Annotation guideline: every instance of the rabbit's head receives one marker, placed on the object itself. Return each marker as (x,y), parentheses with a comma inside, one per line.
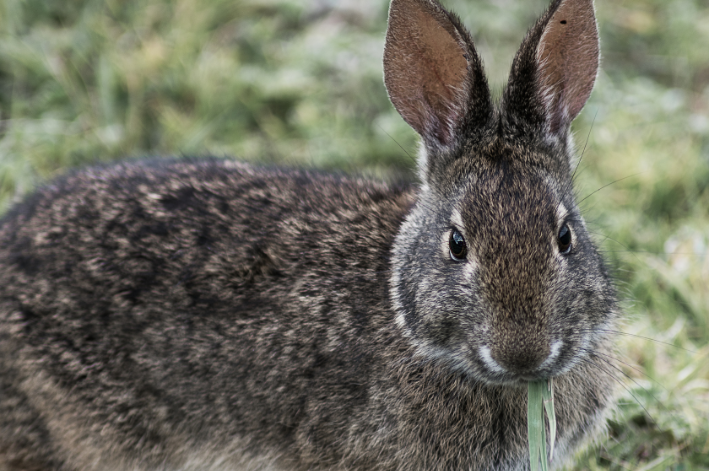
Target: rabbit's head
(494,270)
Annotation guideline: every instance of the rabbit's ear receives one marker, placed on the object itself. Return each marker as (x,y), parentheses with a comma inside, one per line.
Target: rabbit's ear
(555,69)
(431,71)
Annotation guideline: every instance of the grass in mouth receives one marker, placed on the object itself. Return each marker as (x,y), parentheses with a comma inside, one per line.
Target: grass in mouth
(540,398)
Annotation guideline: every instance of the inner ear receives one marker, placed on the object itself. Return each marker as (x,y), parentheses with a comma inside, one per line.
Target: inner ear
(568,57)
(427,58)
(555,68)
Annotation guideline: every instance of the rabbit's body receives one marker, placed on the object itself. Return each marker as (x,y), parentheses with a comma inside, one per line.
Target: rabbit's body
(207,314)
(146,304)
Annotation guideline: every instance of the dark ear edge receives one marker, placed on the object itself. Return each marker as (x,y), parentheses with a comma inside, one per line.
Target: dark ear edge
(555,69)
(431,70)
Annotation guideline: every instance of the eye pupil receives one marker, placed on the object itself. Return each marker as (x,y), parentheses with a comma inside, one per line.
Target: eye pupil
(457,245)
(564,239)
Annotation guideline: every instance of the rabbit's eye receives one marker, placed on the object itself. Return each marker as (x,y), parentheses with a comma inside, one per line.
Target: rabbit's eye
(564,239)
(457,245)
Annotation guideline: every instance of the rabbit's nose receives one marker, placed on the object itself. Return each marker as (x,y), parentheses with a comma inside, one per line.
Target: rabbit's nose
(521,358)
(520,351)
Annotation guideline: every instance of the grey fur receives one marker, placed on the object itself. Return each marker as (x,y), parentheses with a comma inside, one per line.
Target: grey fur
(211,315)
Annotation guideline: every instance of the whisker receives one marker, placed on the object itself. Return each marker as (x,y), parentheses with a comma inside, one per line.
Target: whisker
(639,370)
(647,391)
(569,186)
(607,185)
(620,332)
(585,144)
(621,383)
(607,237)
(647,252)
(397,143)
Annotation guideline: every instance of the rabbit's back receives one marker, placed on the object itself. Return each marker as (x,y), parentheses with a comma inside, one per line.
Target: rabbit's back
(146,299)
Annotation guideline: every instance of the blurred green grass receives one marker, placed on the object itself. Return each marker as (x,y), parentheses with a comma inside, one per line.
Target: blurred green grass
(300,83)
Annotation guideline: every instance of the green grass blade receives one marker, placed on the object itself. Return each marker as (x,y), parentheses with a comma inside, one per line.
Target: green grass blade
(548,397)
(535,422)
(540,397)
(543,448)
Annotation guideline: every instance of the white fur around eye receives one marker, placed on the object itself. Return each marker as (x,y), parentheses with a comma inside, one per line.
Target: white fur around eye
(457,220)
(561,212)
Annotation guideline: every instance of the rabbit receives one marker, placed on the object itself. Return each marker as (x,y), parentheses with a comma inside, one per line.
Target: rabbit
(206,314)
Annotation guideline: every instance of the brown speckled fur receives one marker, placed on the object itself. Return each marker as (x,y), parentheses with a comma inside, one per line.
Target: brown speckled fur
(210,315)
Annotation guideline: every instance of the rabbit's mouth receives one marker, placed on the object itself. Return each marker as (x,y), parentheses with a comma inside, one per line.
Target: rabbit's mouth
(516,367)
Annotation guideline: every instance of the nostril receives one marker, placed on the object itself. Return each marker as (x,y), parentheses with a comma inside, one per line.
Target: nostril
(522,356)
(520,362)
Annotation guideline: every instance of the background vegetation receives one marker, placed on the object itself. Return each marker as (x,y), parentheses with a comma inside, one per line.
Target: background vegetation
(300,83)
